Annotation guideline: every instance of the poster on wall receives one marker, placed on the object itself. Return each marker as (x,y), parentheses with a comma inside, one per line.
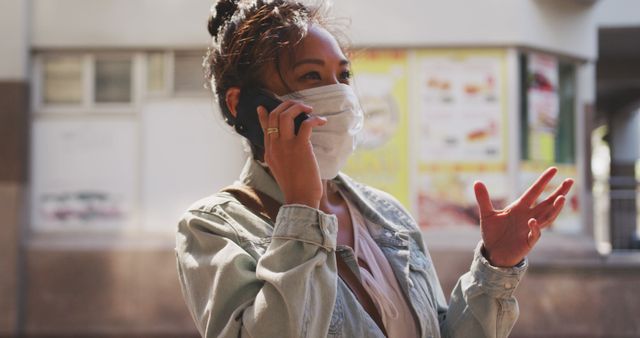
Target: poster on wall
(446,197)
(542,106)
(461,115)
(84,174)
(381,157)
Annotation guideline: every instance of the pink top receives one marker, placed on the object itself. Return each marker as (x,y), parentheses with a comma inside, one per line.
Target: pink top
(380,282)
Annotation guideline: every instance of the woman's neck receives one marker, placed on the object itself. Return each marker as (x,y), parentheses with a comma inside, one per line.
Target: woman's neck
(331,198)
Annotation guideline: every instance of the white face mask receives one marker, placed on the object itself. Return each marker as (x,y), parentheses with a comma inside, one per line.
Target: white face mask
(336,140)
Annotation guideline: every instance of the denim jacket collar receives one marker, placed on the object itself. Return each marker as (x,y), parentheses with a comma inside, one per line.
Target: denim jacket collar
(256,176)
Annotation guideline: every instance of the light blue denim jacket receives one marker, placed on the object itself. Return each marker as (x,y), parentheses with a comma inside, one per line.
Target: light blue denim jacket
(243,276)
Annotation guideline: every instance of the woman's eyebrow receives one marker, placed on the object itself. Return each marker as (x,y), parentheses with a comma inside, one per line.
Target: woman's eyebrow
(317,62)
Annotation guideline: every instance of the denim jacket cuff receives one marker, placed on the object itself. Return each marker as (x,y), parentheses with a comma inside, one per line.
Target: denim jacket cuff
(303,223)
(498,282)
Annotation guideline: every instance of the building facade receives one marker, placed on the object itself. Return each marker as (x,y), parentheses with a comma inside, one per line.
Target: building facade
(108,134)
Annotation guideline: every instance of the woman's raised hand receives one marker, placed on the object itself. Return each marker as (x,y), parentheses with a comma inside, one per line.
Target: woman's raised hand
(509,234)
(289,156)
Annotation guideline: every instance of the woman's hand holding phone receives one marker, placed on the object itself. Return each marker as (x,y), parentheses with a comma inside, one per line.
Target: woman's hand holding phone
(289,155)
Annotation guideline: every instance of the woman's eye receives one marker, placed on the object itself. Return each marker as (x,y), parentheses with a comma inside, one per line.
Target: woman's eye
(346,75)
(311,76)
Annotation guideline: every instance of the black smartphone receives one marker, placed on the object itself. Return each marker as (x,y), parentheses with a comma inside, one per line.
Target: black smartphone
(247,122)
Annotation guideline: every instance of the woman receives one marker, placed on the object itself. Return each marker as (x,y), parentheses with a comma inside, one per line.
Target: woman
(297,249)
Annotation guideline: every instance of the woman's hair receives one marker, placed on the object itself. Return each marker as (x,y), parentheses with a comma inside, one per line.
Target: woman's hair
(247,35)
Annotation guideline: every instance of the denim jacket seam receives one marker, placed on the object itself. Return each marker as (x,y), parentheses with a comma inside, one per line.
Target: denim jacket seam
(241,240)
(388,206)
(322,245)
(323,227)
(337,313)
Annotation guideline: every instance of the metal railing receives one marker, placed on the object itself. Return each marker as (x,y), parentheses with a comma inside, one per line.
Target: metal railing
(624,220)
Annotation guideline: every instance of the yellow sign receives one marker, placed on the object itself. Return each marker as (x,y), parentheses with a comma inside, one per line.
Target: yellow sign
(381,159)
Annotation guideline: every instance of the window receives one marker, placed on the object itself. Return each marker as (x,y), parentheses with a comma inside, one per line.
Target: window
(188,73)
(565,136)
(62,80)
(547,109)
(547,129)
(156,72)
(107,81)
(113,80)
(79,83)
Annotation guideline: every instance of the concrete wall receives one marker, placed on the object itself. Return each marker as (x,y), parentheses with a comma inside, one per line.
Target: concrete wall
(105,291)
(560,26)
(134,292)
(617,13)
(594,298)
(565,27)
(625,139)
(11,198)
(13,154)
(119,23)
(14,39)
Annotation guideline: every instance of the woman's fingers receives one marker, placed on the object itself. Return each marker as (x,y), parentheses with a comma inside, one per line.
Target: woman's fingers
(262,117)
(274,120)
(483,199)
(534,232)
(279,123)
(307,126)
(551,214)
(284,106)
(264,124)
(562,190)
(536,189)
(271,128)
(287,117)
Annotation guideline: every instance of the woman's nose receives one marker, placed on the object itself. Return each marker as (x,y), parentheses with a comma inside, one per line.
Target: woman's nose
(332,80)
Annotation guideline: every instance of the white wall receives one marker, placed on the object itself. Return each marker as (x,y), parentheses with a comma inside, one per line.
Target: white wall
(119,23)
(560,26)
(13,40)
(617,13)
(566,27)
(189,153)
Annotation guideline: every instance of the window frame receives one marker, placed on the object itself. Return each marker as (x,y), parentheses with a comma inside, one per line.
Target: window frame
(88,104)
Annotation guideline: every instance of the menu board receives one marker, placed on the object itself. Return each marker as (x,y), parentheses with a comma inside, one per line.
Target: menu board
(461,117)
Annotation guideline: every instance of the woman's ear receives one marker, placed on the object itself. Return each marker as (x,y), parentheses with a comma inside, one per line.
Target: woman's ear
(231,99)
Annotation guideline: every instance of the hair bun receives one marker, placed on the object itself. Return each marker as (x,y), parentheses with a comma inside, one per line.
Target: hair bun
(221,12)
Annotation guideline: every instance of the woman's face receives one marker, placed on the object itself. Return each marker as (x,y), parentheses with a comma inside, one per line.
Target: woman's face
(316,61)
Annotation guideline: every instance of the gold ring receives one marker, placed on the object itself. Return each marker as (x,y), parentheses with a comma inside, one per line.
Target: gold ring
(272,130)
